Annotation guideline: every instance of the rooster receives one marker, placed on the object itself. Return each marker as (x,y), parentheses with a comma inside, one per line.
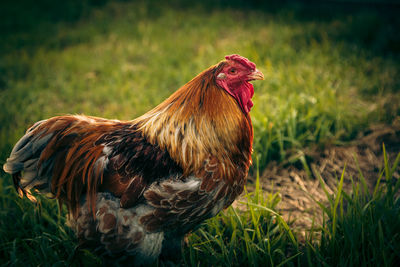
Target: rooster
(138,187)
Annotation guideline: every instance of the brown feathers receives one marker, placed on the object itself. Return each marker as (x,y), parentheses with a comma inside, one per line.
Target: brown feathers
(139,186)
(198,120)
(89,154)
(198,130)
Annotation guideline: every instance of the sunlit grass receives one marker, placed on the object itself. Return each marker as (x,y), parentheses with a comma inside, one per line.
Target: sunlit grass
(360,228)
(322,85)
(124,60)
(252,236)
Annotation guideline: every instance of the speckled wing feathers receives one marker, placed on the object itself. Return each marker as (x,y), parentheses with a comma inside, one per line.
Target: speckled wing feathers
(74,155)
(116,232)
(134,164)
(123,163)
(138,187)
(185,203)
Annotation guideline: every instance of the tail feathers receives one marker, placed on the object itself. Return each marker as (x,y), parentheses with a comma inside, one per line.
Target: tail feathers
(21,191)
(16,177)
(23,163)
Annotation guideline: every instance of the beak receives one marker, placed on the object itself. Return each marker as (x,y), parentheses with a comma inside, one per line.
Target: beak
(256,75)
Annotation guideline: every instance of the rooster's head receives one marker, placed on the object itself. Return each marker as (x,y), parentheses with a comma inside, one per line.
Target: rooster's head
(234,76)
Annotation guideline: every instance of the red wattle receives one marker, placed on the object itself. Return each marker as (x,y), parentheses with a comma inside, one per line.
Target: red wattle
(243,95)
(242,92)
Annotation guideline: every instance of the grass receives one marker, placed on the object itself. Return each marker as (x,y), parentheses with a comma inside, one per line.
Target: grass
(360,229)
(320,85)
(36,235)
(253,236)
(328,76)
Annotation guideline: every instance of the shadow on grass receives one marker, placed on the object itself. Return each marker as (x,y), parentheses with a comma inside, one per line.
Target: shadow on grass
(372,24)
(27,26)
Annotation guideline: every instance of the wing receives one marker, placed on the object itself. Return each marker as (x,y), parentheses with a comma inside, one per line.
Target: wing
(69,156)
(182,203)
(133,165)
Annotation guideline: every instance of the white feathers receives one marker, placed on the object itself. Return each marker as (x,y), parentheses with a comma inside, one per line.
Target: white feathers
(192,183)
(107,150)
(125,225)
(151,246)
(221,76)
(101,163)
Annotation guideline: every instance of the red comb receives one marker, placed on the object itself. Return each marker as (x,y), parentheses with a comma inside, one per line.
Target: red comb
(242,60)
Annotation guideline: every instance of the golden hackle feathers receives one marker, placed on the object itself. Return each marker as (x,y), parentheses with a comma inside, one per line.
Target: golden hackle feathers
(139,186)
(197,120)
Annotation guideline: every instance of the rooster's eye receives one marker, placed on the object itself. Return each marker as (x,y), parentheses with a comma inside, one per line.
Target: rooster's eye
(232,71)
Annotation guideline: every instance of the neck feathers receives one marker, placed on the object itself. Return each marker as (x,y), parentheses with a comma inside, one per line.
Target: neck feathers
(200,119)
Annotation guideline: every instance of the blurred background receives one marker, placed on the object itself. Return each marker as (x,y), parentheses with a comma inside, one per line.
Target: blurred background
(331,67)
(332,73)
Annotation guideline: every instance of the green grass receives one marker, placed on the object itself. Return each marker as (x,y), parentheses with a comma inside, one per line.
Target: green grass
(360,229)
(255,235)
(36,235)
(328,76)
(321,86)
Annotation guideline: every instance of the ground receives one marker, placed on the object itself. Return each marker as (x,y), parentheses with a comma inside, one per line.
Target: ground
(331,92)
(300,188)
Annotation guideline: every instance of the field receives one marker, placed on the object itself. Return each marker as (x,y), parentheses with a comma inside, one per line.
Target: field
(331,73)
